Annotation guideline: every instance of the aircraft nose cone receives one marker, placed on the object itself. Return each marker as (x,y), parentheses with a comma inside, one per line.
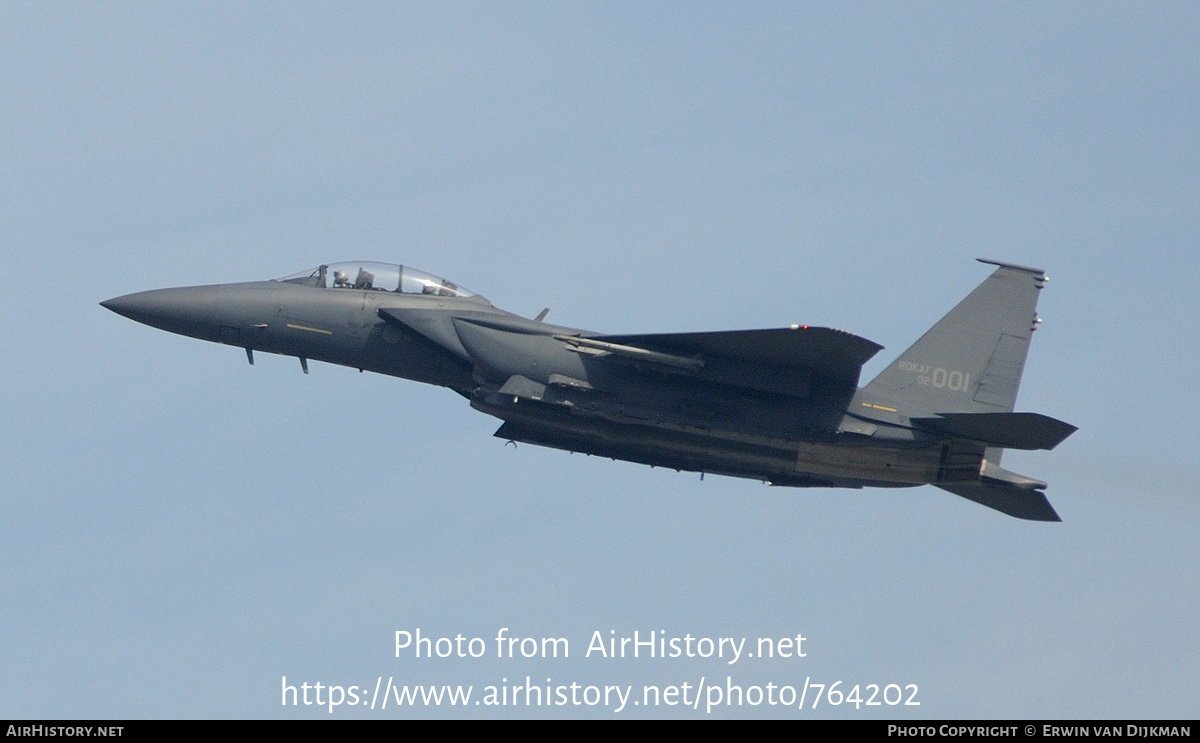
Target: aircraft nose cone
(148,307)
(186,310)
(126,306)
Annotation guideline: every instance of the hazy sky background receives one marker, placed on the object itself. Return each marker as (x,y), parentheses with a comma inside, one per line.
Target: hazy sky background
(181,530)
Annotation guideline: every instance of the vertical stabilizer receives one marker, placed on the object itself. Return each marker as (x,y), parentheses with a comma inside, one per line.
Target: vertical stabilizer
(971,360)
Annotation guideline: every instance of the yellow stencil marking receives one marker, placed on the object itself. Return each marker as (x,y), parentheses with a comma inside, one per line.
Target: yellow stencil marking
(879,407)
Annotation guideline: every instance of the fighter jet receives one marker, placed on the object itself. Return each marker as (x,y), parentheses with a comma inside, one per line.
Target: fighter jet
(781,405)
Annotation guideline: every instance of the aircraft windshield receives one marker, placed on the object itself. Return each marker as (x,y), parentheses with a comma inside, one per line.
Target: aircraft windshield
(375,276)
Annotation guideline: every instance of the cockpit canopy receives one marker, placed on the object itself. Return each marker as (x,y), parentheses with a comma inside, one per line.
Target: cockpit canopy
(376,276)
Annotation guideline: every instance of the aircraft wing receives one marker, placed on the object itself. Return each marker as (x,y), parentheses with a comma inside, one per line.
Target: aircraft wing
(761,359)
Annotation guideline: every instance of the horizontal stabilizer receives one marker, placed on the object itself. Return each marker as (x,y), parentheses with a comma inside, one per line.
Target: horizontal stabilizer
(831,354)
(1006,430)
(1030,505)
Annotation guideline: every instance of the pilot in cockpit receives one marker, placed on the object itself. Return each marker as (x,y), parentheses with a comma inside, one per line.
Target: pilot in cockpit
(340,281)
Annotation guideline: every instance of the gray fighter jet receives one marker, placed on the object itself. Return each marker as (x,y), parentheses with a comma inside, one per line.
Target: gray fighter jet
(780,405)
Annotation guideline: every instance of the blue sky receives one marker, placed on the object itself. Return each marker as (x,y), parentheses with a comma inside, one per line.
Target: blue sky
(184,530)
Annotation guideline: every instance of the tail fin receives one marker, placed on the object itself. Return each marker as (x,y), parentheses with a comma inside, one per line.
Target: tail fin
(971,360)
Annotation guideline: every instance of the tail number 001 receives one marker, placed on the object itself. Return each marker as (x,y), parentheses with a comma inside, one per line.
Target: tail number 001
(955,380)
